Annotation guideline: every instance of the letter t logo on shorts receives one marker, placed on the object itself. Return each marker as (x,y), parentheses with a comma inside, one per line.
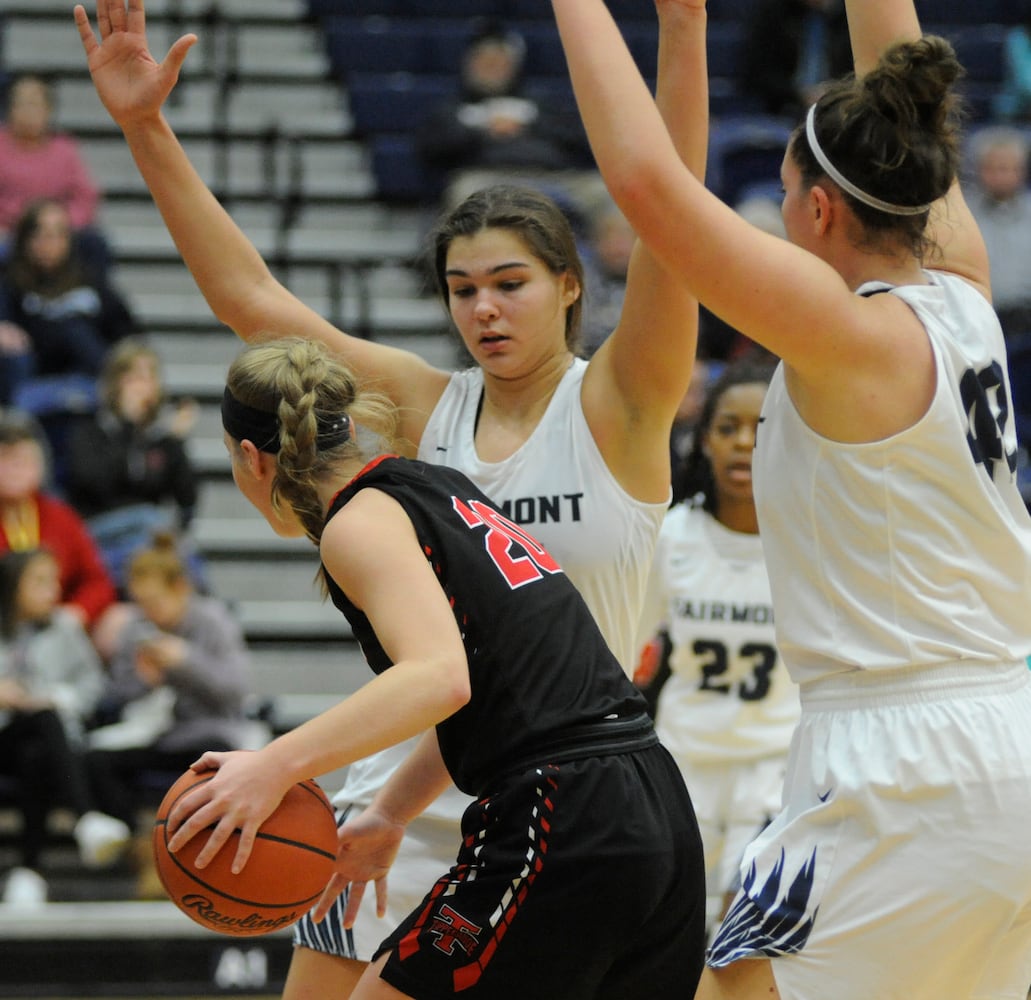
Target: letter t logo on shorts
(450,928)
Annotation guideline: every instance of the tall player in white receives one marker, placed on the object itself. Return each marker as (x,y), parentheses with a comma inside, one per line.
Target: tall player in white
(897,544)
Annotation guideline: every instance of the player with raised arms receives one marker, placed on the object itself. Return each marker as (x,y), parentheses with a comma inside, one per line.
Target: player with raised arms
(529,420)
(896,540)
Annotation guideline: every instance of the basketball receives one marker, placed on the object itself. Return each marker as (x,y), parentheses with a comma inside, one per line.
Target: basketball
(290,864)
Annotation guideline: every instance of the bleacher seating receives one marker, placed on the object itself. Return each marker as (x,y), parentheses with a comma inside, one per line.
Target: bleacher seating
(398,63)
(745,151)
(980,48)
(960,12)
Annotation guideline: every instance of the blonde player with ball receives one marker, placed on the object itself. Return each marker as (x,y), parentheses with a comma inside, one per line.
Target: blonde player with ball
(480,643)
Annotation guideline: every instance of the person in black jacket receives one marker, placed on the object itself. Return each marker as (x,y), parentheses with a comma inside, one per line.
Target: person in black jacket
(58,314)
(128,472)
(493,131)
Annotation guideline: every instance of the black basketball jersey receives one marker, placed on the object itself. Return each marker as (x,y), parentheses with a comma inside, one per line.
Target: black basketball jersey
(540,671)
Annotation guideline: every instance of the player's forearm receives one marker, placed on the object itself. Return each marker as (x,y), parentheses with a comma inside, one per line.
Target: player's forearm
(415,784)
(221,259)
(404,701)
(682,86)
(875,25)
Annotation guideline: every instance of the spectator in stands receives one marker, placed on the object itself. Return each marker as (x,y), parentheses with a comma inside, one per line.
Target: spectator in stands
(1001,203)
(179,681)
(606,259)
(792,49)
(128,473)
(1013,100)
(31,517)
(50,680)
(58,316)
(493,132)
(36,161)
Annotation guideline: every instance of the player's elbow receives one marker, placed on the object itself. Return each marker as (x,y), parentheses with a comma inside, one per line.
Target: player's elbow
(637,191)
(453,688)
(246,305)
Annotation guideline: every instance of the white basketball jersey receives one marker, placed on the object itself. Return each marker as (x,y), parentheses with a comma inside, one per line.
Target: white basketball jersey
(729,697)
(558,486)
(911,550)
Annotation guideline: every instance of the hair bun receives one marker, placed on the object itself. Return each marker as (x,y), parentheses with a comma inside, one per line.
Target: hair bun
(912,84)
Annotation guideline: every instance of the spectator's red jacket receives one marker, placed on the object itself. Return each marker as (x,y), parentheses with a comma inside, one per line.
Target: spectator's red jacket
(84,579)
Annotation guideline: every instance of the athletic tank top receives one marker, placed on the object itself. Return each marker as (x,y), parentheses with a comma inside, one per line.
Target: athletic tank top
(541,673)
(558,487)
(729,696)
(914,550)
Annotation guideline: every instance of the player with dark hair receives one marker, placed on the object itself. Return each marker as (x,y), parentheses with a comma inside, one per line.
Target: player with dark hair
(896,541)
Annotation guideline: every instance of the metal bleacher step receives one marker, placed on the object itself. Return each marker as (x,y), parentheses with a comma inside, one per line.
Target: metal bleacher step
(127,948)
(318,671)
(190,108)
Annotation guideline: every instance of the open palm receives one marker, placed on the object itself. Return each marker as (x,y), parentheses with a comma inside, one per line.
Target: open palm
(132,85)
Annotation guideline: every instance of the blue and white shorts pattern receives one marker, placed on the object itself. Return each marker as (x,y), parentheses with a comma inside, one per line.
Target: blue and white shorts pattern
(899,867)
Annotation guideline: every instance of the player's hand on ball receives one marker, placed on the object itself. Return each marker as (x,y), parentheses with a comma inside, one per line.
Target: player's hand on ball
(291,862)
(241,796)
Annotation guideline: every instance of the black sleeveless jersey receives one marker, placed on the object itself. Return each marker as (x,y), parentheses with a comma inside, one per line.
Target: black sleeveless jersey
(540,671)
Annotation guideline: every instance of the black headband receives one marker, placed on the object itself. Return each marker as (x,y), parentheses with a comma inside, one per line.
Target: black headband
(261,428)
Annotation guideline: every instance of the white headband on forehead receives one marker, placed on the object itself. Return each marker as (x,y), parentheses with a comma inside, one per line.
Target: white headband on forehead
(844,183)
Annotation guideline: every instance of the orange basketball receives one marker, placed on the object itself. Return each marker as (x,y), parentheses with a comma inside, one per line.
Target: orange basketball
(289,867)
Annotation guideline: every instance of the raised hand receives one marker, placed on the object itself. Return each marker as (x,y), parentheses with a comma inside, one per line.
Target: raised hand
(131,84)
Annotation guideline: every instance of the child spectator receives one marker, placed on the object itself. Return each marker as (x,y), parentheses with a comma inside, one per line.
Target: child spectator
(31,517)
(180,677)
(50,680)
(128,473)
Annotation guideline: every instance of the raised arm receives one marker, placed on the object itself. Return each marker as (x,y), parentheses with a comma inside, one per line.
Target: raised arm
(791,301)
(230,273)
(874,26)
(647,361)
(775,292)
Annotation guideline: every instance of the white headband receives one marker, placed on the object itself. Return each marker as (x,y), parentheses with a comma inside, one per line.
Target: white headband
(844,183)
